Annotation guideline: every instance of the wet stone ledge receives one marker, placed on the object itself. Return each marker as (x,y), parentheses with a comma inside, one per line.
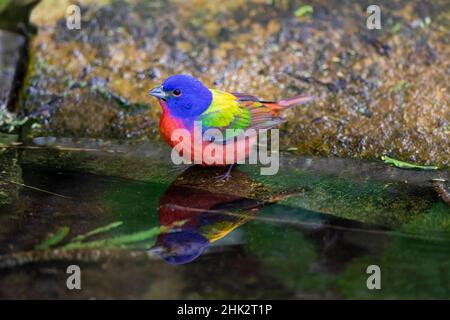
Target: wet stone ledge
(377,92)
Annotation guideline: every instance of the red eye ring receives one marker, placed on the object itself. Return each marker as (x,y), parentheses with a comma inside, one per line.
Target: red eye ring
(176,92)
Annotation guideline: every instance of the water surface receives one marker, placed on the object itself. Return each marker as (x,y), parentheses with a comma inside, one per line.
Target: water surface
(152,230)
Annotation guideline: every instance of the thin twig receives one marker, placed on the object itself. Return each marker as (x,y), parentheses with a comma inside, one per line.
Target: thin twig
(35,188)
(316,224)
(58,148)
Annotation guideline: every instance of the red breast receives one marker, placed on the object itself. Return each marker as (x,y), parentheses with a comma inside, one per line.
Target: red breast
(203,152)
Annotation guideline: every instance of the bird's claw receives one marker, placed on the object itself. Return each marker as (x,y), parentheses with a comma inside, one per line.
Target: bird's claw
(224,177)
(227,175)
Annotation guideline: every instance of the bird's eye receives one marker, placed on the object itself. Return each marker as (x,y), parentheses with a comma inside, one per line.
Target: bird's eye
(176,92)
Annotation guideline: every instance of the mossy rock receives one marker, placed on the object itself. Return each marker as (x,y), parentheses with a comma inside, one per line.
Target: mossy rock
(376,92)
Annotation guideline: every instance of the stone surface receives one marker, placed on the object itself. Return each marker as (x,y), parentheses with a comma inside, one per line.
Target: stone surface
(11,53)
(377,92)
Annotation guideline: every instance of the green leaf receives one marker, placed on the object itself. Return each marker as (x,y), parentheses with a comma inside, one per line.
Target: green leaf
(303,10)
(97,231)
(406,165)
(54,239)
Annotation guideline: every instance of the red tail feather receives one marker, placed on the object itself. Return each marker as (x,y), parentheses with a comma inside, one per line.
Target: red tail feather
(275,107)
(291,102)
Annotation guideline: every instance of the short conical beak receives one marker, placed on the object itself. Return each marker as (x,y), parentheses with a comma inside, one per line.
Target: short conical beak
(158,92)
(157,250)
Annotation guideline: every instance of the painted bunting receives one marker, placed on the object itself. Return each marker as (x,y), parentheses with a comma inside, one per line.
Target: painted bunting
(185,101)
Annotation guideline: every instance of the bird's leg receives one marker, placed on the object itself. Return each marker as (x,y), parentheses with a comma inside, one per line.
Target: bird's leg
(227,175)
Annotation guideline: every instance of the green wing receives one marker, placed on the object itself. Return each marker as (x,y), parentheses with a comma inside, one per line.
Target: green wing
(227,111)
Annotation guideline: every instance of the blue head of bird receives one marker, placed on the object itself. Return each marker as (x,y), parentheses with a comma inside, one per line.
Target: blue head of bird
(180,247)
(184,96)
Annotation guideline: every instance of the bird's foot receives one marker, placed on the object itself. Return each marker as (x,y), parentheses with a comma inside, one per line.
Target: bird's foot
(226,176)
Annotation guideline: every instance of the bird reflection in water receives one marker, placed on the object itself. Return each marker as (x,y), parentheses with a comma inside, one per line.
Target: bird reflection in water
(198,210)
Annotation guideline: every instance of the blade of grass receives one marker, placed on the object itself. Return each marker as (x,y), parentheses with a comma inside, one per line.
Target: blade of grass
(406,165)
(97,231)
(119,241)
(54,239)
(34,188)
(59,148)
